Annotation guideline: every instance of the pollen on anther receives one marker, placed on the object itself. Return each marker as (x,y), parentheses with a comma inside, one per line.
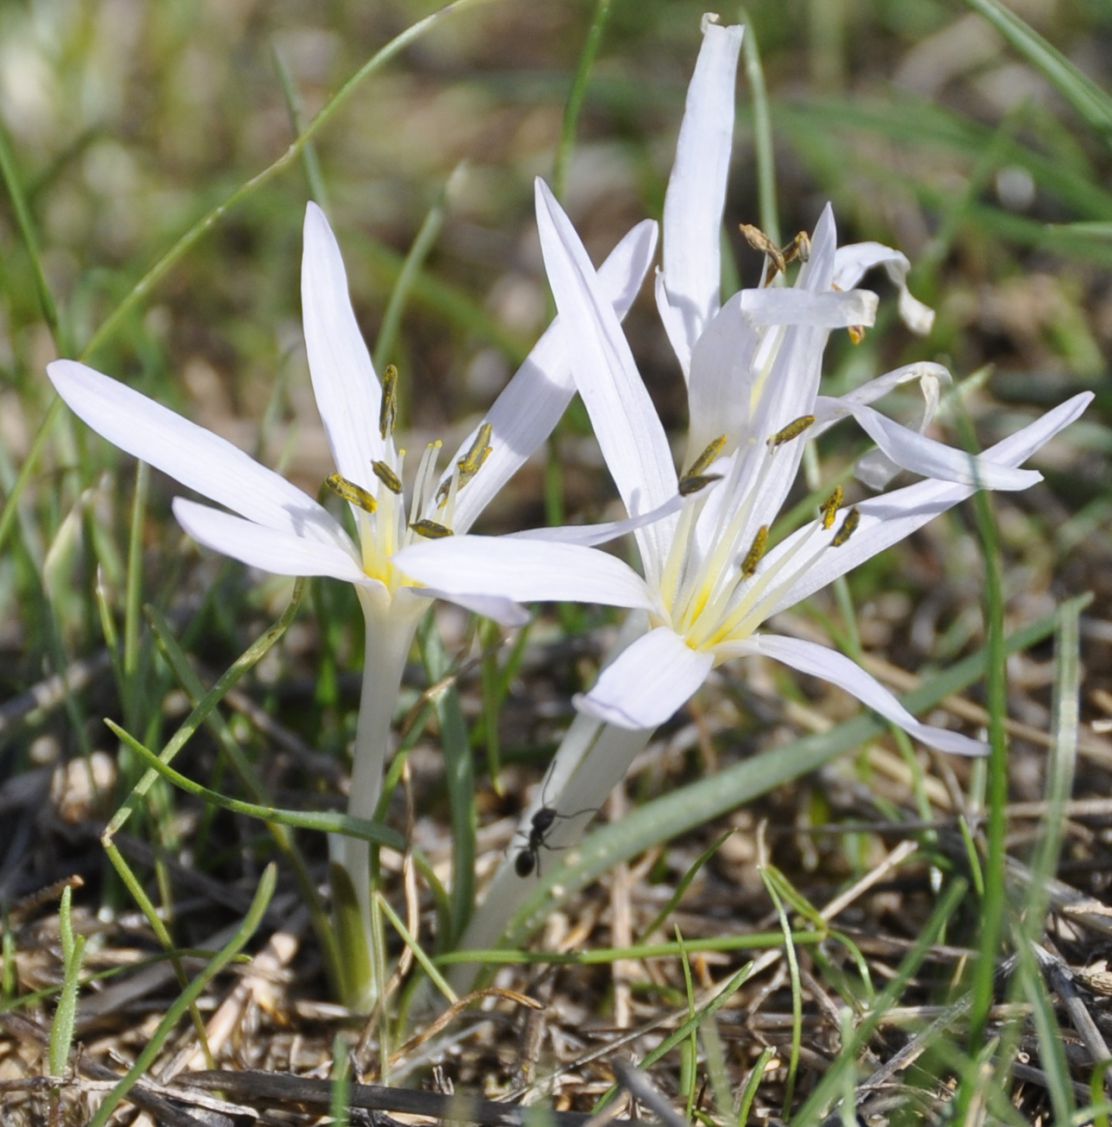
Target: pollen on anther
(756,552)
(713,449)
(388,409)
(831,506)
(430,529)
(689,484)
(352,493)
(793,430)
(387,476)
(849,527)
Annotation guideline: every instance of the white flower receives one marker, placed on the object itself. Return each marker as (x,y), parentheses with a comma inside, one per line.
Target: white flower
(710,580)
(279,528)
(275,526)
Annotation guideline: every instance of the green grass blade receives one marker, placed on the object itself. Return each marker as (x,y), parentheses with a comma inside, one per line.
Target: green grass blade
(459,776)
(1092,104)
(686,809)
(765,154)
(235,672)
(323,822)
(576,96)
(65,1014)
(192,992)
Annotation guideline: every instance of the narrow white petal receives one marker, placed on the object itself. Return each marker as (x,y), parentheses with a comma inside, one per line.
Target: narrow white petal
(817,273)
(632,439)
(889,518)
(523,570)
(590,535)
(801,307)
(853,261)
(674,326)
(721,379)
(696,194)
(829,665)
(344,381)
(531,404)
(922,455)
(278,551)
(648,682)
(190,454)
(503,611)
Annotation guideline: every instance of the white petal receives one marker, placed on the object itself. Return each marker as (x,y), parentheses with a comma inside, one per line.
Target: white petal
(503,611)
(828,664)
(817,273)
(721,379)
(190,454)
(801,307)
(648,682)
(887,519)
(696,192)
(625,422)
(922,455)
(531,404)
(590,535)
(344,381)
(278,551)
(523,570)
(853,261)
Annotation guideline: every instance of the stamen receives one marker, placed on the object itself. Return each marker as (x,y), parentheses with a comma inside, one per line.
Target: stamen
(849,526)
(793,430)
(387,476)
(759,241)
(690,484)
(470,464)
(831,506)
(388,410)
(800,248)
(755,553)
(711,452)
(430,529)
(352,493)
(856,333)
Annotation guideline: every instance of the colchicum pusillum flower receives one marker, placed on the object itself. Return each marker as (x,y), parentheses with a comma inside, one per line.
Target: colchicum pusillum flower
(714,574)
(275,526)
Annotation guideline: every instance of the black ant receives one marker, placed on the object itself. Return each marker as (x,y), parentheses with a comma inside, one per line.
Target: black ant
(529,858)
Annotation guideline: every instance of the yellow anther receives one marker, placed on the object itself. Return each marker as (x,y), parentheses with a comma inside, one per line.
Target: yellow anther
(387,476)
(709,455)
(352,493)
(755,553)
(430,530)
(388,409)
(690,484)
(793,430)
(472,461)
(856,333)
(799,249)
(849,527)
(831,506)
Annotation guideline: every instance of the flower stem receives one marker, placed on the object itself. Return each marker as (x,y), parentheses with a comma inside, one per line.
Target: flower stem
(389,635)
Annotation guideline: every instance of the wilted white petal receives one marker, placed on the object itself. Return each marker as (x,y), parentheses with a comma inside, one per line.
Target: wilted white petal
(523,570)
(344,381)
(531,404)
(190,454)
(829,665)
(922,455)
(648,682)
(801,307)
(696,194)
(853,261)
(889,518)
(622,414)
(278,551)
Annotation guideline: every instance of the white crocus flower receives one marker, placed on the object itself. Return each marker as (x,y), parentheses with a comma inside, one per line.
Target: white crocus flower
(709,579)
(275,526)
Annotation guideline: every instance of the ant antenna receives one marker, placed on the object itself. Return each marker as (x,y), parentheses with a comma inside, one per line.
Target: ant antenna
(544,817)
